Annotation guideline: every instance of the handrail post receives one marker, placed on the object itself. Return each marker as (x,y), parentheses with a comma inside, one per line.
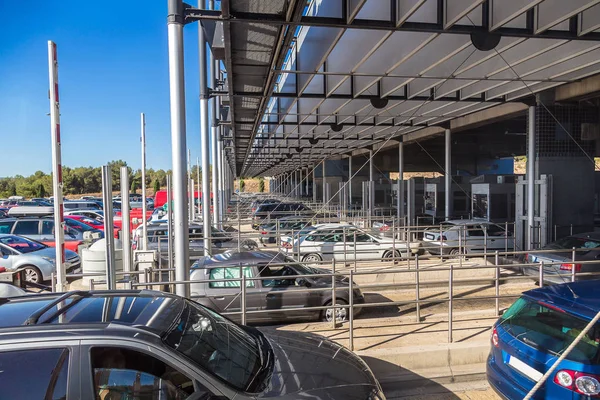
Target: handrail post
(333,298)
(450,290)
(239,242)
(394,242)
(417,289)
(354,251)
(497,282)
(345,249)
(573,269)
(541,274)
(351,311)
(53,282)
(243,296)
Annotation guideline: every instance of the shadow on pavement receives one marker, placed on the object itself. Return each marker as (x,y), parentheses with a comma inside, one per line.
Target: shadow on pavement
(400,383)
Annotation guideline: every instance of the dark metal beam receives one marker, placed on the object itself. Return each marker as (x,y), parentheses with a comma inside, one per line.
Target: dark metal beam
(385,25)
(477,99)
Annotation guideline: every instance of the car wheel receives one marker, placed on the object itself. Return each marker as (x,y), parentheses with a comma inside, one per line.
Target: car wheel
(341,314)
(454,252)
(33,274)
(312,258)
(391,254)
(249,245)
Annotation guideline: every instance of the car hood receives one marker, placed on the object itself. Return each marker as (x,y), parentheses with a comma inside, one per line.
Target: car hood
(50,252)
(307,365)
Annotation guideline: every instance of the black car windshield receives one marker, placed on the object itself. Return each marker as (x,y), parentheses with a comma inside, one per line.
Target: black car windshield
(216,344)
(576,242)
(21,244)
(552,330)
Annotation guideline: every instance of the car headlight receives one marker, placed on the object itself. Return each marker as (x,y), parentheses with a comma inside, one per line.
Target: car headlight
(50,260)
(376,394)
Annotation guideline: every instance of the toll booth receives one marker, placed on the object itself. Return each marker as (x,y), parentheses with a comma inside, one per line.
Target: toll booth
(493,197)
(435,197)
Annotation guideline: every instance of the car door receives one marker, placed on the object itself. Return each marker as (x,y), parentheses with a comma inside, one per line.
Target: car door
(497,238)
(225,293)
(28,227)
(475,238)
(281,291)
(367,247)
(126,369)
(7,257)
(40,370)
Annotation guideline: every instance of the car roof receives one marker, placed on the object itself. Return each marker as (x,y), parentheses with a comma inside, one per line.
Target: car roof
(148,310)
(239,257)
(579,298)
(332,226)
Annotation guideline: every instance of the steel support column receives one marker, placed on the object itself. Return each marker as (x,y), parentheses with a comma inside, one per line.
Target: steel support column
(307,173)
(531,156)
(400,189)
(448,174)
(371,193)
(314,180)
(214,70)
(350,182)
(325,199)
(178,143)
(143,169)
(300,182)
(204,136)
(125,220)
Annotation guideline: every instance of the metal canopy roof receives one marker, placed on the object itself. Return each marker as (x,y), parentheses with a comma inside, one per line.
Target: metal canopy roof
(313,81)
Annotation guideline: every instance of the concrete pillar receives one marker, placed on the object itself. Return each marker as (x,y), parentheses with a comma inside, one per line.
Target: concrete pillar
(306,183)
(531,178)
(448,174)
(296,183)
(400,192)
(300,182)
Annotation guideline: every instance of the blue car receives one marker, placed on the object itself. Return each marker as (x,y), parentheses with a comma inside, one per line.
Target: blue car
(534,332)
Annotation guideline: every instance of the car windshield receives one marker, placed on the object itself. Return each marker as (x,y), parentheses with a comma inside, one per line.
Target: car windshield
(550,329)
(80,226)
(218,346)
(21,244)
(576,242)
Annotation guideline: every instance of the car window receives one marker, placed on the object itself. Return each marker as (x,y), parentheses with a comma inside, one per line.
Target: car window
(217,274)
(287,274)
(27,228)
(495,230)
(362,237)
(475,230)
(21,244)
(47,227)
(121,373)
(46,368)
(6,226)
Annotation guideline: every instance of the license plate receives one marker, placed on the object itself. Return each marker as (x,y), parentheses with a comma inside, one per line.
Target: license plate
(525,369)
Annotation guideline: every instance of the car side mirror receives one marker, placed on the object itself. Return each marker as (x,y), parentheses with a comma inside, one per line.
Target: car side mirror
(302,282)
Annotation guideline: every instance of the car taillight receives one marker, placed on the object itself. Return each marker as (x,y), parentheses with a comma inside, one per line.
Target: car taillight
(286,245)
(495,340)
(263,232)
(578,382)
(384,228)
(569,267)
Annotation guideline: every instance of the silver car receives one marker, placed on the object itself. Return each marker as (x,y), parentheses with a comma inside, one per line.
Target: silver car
(38,260)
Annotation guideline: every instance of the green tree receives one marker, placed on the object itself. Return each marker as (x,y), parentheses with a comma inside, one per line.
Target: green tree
(133,186)
(242,184)
(41,192)
(261,185)
(156,185)
(12,189)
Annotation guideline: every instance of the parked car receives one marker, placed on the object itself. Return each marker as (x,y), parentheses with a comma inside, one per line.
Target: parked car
(94,214)
(271,211)
(533,333)
(34,203)
(153,345)
(81,205)
(278,290)
(342,242)
(37,259)
(558,266)
(221,241)
(468,236)
(285,225)
(92,223)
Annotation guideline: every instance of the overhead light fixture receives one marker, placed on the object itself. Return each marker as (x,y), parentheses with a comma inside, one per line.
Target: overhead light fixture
(379,102)
(313,141)
(485,41)
(336,127)
(299,149)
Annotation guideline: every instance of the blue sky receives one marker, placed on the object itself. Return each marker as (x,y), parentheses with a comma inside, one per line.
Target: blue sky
(113,65)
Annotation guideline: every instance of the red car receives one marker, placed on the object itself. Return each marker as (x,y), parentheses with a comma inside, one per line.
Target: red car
(94,223)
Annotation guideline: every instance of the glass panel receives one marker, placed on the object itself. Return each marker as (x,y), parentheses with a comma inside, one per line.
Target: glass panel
(229,273)
(27,228)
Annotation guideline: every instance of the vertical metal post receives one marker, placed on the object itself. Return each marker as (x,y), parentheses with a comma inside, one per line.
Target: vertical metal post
(125,220)
(178,143)
(350,182)
(333,297)
(531,156)
(325,199)
(57,183)
(497,283)
(400,191)
(448,174)
(143,169)
(541,266)
(214,136)
(417,289)
(170,223)
(314,184)
(111,280)
(300,182)
(371,200)
(199,184)
(351,313)
(450,296)
(573,269)
(204,136)
(243,296)
(306,183)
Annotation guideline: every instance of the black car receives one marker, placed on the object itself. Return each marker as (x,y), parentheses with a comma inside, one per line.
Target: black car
(152,345)
(271,211)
